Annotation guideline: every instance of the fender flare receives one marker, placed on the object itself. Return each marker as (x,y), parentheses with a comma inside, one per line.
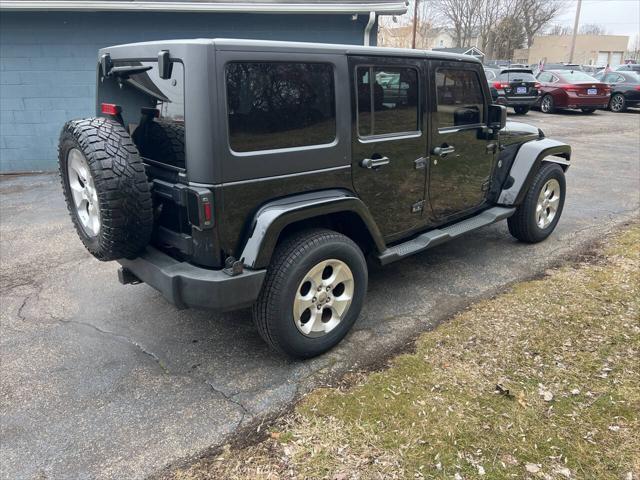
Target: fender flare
(273,217)
(526,164)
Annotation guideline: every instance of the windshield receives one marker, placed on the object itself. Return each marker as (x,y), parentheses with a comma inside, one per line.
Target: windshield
(517,76)
(574,76)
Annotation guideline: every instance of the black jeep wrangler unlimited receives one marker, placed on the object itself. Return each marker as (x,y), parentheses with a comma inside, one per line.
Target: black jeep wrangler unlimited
(231,173)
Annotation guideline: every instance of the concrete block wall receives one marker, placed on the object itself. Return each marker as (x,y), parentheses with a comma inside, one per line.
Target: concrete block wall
(48,59)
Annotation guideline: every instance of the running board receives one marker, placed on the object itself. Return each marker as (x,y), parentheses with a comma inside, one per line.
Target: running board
(440,235)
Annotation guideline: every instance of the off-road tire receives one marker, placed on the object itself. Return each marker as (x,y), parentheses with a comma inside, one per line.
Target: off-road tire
(124,196)
(163,141)
(522,224)
(551,104)
(617,103)
(292,259)
(521,110)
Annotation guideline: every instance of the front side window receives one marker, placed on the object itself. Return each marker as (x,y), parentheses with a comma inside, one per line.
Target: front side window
(459,96)
(274,105)
(387,100)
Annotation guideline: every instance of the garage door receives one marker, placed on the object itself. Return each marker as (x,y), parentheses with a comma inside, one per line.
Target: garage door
(616,58)
(603,58)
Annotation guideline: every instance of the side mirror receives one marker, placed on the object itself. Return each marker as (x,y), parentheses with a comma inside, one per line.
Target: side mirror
(497,117)
(165,65)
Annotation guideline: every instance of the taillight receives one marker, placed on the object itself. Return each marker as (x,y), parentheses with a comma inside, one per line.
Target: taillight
(200,207)
(537,85)
(500,85)
(637,87)
(110,109)
(569,88)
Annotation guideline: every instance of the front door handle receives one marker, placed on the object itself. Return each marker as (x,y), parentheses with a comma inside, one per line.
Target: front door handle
(374,162)
(442,151)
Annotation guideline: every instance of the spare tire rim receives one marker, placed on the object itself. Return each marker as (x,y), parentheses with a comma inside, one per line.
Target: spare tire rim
(83,191)
(548,202)
(323,298)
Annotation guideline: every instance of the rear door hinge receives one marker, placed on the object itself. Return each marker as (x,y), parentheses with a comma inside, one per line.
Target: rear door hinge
(420,163)
(417,207)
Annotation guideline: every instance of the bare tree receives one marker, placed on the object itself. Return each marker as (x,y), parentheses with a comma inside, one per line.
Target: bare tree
(509,35)
(489,15)
(463,16)
(592,29)
(560,30)
(536,14)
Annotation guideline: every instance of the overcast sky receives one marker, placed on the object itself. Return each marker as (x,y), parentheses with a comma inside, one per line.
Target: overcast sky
(618,17)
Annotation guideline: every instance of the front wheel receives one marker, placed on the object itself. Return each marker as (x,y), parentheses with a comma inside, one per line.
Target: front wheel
(521,110)
(617,103)
(538,214)
(547,104)
(313,293)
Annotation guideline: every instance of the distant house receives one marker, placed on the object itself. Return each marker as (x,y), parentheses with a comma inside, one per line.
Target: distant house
(597,50)
(49,51)
(473,51)
(427,37)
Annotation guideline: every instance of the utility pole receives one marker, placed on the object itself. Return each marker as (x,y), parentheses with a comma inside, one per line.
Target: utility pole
(575,32)
(415,23)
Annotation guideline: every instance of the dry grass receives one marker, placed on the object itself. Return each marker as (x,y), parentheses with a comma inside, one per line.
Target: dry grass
(540,382)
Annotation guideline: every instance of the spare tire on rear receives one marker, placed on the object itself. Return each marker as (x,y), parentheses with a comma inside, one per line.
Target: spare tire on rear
(105,187)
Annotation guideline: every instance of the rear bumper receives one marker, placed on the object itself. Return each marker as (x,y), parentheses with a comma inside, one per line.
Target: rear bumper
(521,101)
(587,102)
(186,285)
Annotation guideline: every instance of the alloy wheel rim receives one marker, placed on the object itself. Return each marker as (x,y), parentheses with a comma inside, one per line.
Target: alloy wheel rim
(616,103)
(83,191)
(323,298)
(548,203)
(546,104)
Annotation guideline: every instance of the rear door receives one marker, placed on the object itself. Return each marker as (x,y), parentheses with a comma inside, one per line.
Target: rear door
(462,154)
(389,143)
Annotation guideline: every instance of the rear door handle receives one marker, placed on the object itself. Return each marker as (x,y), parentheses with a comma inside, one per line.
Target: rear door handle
(374,162)
(442,151)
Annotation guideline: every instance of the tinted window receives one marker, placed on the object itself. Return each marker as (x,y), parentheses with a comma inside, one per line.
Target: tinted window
(280,105)
(152,109)
(460,100)
(387,100)
(517,77)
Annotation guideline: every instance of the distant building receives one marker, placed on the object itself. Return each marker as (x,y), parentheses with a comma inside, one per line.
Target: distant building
(590,49)
(427,37)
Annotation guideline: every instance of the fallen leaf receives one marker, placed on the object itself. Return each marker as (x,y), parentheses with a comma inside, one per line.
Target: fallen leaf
(481,470)
(564,471)
(575,391)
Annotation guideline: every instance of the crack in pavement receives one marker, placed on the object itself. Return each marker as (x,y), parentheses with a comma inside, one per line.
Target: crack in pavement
(119,337)
(244,412)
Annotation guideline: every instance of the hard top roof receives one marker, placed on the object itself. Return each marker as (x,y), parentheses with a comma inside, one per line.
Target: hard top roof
(231,44)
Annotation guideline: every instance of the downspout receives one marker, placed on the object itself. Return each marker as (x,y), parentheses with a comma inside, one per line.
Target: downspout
(367,29)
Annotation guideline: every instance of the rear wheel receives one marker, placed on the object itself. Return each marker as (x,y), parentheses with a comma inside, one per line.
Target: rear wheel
(542,206)
(547,105)
(617,103)
(105,187)
(313,293)
(588,110)
(521,110)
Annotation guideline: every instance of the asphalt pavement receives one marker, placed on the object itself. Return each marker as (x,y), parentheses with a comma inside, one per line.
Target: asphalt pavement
(100,380)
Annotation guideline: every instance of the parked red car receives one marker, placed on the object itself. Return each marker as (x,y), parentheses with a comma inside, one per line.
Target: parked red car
(571,89)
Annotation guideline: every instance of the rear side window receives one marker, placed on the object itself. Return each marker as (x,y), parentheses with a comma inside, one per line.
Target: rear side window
(517,77)
(152,109)
(387,100)
(490,75)
(460,98)
(273,105)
